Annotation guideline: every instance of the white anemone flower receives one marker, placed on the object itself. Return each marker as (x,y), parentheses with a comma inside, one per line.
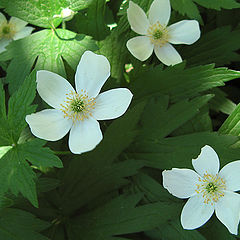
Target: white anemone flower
(13,29)
(208,190)
(155,33)
(78,111)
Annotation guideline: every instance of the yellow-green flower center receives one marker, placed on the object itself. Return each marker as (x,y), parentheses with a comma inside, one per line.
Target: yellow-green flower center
(7,30)
(77,106)
(158,34)
(211,187)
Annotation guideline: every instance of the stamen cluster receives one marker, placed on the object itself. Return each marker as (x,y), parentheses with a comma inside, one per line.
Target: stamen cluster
(211,187)
(158,34)
(7,31)
(78,106)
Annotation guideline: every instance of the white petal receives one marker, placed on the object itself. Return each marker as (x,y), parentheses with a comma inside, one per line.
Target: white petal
(207,161)
(180,182)
(23,33)
(195,212)
(167,54)
(92,72)
(112,104)
(49,124)
(85,136)
(228,211)
(3,43)
(18,23)
(160,10)
(53,88)
(140,47)
(186,32)
(231,174)
(137,19)
(3,20)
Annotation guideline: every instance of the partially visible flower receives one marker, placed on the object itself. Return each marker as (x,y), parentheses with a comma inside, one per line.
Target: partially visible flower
(66,14)
(156,35)
(208,190)
(78,111)
(13,29)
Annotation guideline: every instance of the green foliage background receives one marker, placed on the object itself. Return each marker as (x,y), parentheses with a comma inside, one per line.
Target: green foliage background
(115,191)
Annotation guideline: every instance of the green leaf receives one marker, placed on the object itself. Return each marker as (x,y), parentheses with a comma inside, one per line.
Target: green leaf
(211,46)
(179,151)
(173,81)
(17,224)
(93,23)
(232,123)
(19,105)
(120,216)
(48,50)
(171,117)
(220,102)
(189,7)
(40,13)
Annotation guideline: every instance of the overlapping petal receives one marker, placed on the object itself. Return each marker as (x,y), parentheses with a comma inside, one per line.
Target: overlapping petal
(184,32)
(140,47)
(231,174)
(228,211)
(167,54)
(180,182)
(92,72)
(18,23)
(26,31)
(207,161)
(137,19)
(49,124)
(3,43)
(112,104)
(84,136)
(195,212)
(3,19)
(53,88)
(160,10)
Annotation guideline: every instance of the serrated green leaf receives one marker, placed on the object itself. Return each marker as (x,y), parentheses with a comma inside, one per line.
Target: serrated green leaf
(170,81)
(39,156)
(211,46)
(120,216)
(232,123)
(168,118)
(190,8)
(49,50)
(40,13)
(179,151)
(17,224)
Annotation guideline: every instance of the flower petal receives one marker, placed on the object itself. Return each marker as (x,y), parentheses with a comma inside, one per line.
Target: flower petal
(186,32)
(230,173)
(228,211)
(23,33)
(49,124)
(3,19)
(140,47)
(137,19)
(53,88)
(112,104)
(92,72)
(207,161)
(167,54)
(3,43)
(180,182)
(84,136)
(195,212)
(160,10)
(18,23)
